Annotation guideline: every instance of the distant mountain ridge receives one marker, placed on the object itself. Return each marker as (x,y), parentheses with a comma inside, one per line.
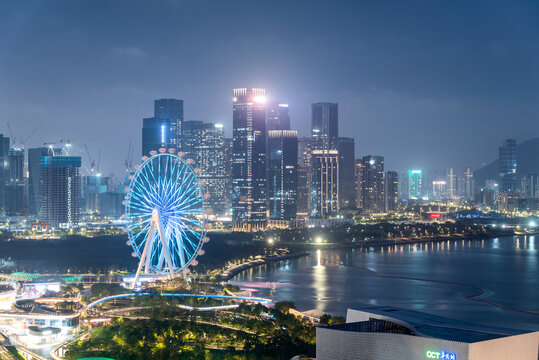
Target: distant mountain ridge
(527,163)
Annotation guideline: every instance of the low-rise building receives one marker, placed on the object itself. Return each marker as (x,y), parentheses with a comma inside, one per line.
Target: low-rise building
(384,332)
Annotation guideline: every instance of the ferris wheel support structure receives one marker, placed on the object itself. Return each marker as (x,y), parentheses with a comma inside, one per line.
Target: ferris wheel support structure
(144,263)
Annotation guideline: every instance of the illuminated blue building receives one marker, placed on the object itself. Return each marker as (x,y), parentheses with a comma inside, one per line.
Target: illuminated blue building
(415,179)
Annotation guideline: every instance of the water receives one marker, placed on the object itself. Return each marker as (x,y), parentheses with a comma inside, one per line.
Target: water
(507,269)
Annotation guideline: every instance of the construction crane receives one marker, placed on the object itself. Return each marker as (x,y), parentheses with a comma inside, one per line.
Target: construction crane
(129,158)
(66,142)
(92,162)
(22,142)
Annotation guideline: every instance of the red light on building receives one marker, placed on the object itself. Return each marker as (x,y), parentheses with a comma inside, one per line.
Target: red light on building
(435,216)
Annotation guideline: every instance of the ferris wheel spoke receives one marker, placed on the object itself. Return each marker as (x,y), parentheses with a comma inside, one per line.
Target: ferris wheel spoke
(144,239)
(184,230)
(183,234)
(184,242)
(145,197)
(182,222)
(187,200)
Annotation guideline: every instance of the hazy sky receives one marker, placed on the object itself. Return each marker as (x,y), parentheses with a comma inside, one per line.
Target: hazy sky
(426,84)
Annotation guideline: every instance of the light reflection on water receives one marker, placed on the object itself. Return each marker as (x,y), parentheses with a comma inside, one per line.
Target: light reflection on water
(506,268)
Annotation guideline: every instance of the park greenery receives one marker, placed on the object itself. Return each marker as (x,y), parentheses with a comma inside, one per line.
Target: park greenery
(165,331)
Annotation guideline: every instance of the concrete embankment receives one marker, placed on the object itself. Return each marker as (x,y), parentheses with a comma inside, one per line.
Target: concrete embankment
(230,273)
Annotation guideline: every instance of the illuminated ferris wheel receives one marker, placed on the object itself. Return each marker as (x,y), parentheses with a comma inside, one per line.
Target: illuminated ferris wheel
(165,216)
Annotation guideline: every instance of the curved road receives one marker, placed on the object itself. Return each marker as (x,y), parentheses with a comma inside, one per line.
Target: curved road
(223,297)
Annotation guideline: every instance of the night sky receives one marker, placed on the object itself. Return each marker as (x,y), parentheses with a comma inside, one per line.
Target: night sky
(426,84)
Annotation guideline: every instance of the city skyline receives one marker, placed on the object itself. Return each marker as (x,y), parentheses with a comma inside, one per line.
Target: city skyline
(475,82)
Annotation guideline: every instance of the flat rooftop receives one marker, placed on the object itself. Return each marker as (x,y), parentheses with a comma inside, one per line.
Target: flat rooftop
(425,325)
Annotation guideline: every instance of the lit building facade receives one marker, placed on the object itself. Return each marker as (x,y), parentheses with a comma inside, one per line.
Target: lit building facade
(530,186)
(347,186)
(16,202)
(278,116)
(249,181)
(372,184)
(391,191)
(325,126)
(468,184)
(93,187)
(164,129)
(507,166)
(415,183)
(61,191)
(204,144)
(324,183)
(4,170)
(172,111)
(438,189)
(34,178)
(452,183)
(304,177)
(282,174)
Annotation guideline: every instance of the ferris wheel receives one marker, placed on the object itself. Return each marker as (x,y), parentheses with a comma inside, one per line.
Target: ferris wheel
(165,216)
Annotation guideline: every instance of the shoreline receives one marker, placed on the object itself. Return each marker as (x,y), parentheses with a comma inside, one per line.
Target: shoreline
(229,274)
(377,244)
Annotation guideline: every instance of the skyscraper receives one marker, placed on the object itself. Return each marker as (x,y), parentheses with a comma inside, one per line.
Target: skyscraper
(325,126)
(16,203)
(282,174)
(372,183)
(155,135)
(61,192)
(533,186)
(357,171)
(507,166)
(278,116)
(204,143)
(229,161)
(324,183)
(34,177)
(304,177)
(172,111)
(415,183)
(468,184)
(191,137)
(164,129)
(391,191)
(93,186)
(249,159)
(347,172)
(4,170)
(452,183)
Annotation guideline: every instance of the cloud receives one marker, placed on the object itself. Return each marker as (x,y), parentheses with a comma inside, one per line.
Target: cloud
(128,52)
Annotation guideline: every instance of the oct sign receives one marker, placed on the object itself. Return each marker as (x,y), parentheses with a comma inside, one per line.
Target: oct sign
(442,355)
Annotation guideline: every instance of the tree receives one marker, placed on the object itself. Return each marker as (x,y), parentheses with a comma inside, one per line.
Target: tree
(285,306)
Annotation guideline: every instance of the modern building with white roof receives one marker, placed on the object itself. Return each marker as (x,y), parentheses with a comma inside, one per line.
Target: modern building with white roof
(384,332)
